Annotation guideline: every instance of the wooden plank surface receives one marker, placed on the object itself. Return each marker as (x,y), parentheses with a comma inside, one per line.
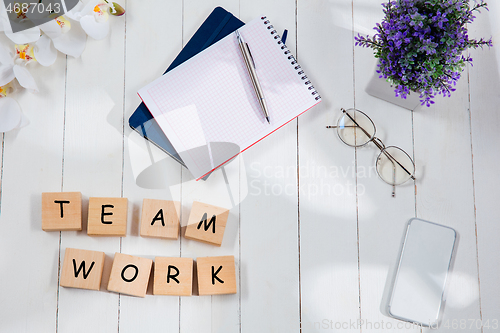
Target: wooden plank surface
(148,171)
(485,121)
(314,232)
(327,183)
(93,159)
(32,159)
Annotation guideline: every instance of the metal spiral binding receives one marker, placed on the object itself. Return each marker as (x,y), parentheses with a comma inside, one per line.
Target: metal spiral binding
(292,58)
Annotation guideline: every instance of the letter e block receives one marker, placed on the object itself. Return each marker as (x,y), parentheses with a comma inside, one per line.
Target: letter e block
(61,211)
(160,218)
(216,275)
(107,217)
(130,275)
(207,223)
(82,269)
(173,276)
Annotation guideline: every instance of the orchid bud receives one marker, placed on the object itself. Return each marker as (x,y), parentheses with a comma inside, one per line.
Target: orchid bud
(116,10)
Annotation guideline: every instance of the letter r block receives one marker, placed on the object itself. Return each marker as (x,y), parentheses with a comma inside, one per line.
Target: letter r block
(61,211)
(216,275)
(82,269)
(207,223)
(173,276)
(130,275)
(107,217)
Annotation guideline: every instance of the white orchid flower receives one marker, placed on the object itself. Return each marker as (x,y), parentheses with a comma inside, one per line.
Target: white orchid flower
(11,116)
(15,66)
(58,34)
(93,17)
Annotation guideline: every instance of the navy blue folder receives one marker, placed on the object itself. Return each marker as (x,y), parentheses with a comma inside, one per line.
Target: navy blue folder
(218,25)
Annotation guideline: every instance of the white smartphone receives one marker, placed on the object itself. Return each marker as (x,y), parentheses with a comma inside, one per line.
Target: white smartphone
(424,264)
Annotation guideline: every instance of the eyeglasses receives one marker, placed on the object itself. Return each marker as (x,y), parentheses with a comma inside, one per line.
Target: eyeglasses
(394,166)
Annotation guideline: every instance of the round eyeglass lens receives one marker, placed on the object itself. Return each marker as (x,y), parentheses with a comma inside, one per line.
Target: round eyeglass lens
(355,128)
(394,165)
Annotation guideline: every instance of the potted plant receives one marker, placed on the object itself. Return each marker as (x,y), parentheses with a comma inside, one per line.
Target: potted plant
(420,45)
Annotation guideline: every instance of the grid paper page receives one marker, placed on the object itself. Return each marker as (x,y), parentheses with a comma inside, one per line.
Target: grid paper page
(207,106)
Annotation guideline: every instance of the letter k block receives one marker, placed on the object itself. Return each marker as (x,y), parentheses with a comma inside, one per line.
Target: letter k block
(216,275)
(82,269)
(207,223)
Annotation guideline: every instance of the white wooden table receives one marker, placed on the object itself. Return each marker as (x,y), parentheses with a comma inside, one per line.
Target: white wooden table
(312,253)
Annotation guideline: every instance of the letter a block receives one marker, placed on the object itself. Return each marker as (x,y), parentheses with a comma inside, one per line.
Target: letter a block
(160,218)
(107,217)
(61,211)
(130,275)
(207,223)
(173,276)
(82,269)
(216,275)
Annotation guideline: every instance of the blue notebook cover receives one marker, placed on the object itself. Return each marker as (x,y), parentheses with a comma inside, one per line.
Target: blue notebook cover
(218,25)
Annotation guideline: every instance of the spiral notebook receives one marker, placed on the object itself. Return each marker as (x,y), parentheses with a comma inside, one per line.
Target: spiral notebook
(207,106)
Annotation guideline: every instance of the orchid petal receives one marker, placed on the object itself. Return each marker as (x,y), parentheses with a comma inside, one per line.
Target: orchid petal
(24,121)
(45,53)
(6,74)
(96,30)
(10,114)
(25,78)
(51,29)
(5,56)
(73,42)
(24,37)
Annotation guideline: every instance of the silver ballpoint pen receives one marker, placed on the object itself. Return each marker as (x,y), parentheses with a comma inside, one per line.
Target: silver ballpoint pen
(250,64)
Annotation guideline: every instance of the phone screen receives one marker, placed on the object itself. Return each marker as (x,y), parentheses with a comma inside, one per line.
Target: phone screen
(424,263)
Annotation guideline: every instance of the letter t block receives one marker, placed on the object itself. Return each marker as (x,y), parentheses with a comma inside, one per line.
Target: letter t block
(61,211)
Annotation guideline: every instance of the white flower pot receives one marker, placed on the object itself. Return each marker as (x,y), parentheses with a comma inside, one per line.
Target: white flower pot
(380,88)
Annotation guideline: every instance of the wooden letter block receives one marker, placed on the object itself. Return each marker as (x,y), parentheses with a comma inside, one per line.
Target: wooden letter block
(61,211)
(173,276)
(82,269)
(130,275)
(216,275)
(160,218)
(107,217)
(207,223)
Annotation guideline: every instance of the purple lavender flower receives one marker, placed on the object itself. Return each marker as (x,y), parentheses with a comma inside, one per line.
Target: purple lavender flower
(420,45)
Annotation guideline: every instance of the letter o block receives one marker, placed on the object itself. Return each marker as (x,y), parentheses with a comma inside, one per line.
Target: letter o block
(130,275)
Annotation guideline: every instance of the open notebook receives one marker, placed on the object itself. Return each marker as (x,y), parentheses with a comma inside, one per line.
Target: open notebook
(207,106)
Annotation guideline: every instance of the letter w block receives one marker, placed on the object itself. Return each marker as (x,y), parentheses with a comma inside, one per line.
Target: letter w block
(82,269)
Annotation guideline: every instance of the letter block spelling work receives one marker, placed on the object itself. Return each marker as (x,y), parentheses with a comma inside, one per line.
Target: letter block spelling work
(160,218)
(216,275)
(130,275)
(82,269)
(173,276)
(207,223)
(107,217)
(61,211)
